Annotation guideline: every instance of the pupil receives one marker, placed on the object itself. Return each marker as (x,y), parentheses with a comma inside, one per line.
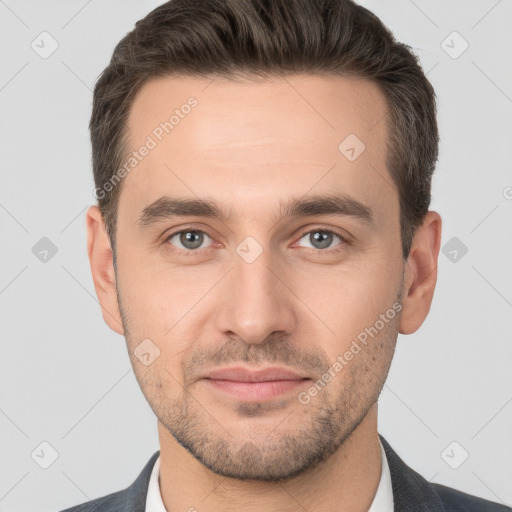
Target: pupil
(188,238)
(323,238)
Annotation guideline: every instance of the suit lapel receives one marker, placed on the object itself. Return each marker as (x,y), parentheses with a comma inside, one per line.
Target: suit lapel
(133,499)
(411,492)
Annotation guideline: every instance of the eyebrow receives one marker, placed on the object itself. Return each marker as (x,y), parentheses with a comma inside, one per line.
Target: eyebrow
(326,204)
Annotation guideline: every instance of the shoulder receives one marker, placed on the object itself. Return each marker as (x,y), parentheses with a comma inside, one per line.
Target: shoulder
(131,499)
(412,492)
(110,503)
(454,501)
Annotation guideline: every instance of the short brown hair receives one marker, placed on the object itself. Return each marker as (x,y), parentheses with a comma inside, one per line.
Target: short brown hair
(247,38)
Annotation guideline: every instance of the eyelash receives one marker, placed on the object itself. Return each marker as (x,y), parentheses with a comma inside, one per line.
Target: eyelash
(197,252)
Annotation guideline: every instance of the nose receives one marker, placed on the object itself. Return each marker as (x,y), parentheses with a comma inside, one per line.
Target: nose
(257,301)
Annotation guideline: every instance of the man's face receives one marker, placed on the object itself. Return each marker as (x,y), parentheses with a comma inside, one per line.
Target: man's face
(260,288)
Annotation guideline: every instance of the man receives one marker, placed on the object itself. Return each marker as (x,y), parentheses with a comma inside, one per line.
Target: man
(262,235)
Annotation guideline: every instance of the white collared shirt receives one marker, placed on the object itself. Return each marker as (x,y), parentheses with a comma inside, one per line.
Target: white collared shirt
(382,502)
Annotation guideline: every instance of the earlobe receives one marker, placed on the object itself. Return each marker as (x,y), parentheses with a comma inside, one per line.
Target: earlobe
(102,268)
(421,274)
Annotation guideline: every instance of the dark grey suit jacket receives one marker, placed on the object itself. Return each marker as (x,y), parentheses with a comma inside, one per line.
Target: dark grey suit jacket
(411,493)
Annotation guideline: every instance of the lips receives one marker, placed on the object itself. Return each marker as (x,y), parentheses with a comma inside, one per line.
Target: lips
(255,385)
(240,374)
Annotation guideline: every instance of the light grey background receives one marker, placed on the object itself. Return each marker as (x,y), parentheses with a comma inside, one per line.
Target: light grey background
(66,378)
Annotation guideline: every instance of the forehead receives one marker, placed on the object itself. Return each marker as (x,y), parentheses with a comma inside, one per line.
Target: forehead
(246,142)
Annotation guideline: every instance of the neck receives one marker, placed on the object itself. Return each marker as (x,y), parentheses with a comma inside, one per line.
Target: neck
(347,481)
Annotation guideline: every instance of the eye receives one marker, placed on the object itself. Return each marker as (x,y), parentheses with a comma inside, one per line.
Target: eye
(190,239)
(322,239)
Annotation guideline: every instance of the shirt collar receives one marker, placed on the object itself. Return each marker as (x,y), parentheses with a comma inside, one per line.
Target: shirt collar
(383,499)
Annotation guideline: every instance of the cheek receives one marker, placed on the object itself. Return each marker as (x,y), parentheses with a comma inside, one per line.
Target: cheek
(149,295)
(349,298)
(164,310)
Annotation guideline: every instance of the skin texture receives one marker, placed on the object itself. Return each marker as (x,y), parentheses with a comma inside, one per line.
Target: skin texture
(298,305)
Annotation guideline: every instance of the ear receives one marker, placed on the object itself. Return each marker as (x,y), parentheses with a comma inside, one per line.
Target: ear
(421,274)
(102,268)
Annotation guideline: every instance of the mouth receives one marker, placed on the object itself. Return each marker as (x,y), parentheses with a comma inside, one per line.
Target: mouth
(255,385)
